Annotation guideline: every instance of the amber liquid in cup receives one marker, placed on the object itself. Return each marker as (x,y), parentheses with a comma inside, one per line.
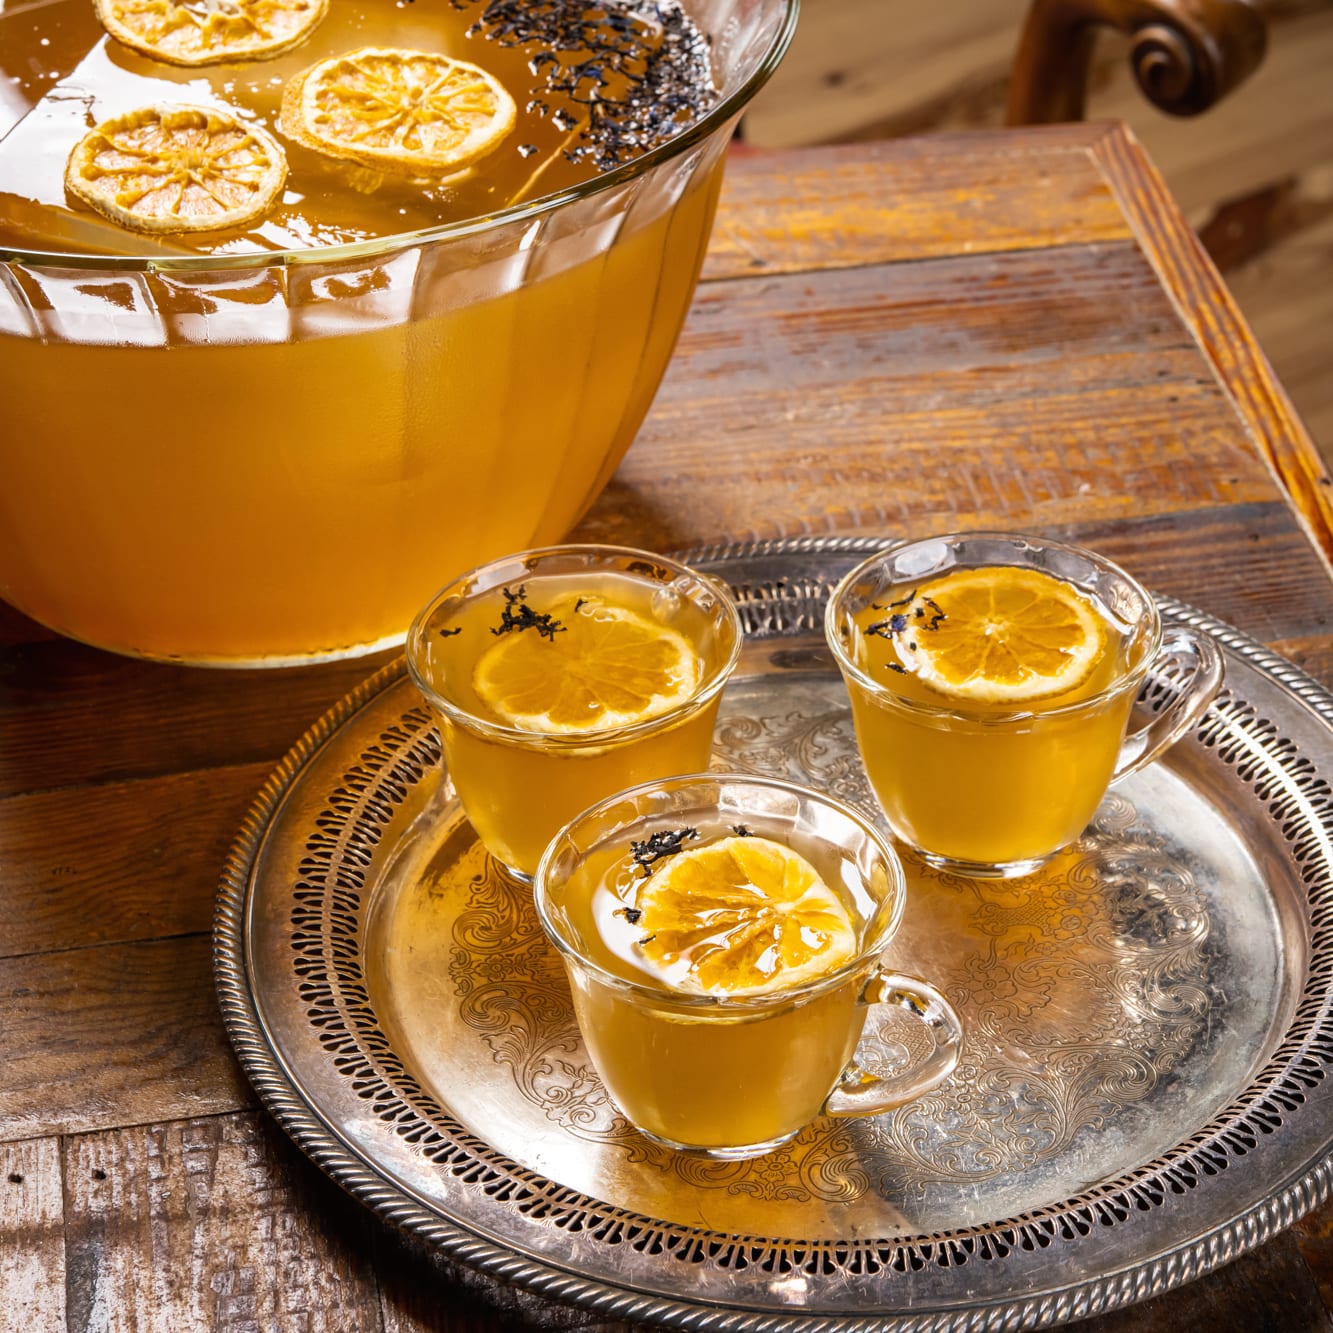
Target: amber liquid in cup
(730,1075)
(993,786)
(748,1079)
(213,455)
(519,784)
(976,791)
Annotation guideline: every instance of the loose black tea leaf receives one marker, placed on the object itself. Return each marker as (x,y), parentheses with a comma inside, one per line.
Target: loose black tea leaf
(665,842)
(518,615)
(630,77)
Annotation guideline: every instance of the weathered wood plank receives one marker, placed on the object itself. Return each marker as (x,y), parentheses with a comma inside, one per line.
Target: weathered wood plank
(100,866)
(120,1034)
(910,200)
(211,1223)
(1250,566)
(77,715)
(985,391)
(32,1237)
(883,68)
(1211,314)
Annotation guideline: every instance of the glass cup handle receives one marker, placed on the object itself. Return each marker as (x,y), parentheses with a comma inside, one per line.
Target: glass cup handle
(1200,653)
(860,1093)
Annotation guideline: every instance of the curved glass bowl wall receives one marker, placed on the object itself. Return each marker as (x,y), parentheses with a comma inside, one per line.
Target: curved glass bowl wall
(274,459)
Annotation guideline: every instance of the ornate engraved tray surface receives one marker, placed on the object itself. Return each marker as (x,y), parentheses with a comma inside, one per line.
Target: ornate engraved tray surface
(1142,1094)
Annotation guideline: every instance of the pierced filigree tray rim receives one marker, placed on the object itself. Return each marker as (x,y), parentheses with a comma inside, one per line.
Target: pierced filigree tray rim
(297,1109)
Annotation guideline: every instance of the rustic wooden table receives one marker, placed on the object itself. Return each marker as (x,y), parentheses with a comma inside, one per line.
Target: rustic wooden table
(1012,330)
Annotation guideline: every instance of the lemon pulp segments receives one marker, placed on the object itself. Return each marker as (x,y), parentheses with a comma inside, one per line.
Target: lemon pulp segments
(607,666)
(742,916)
(412,112)
(1000,634)
(208,32)
(177,168)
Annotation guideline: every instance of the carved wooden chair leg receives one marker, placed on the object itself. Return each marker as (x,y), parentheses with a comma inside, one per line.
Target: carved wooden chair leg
(1186,54)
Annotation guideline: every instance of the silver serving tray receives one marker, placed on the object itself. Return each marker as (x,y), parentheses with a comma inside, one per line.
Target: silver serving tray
(1141,1098)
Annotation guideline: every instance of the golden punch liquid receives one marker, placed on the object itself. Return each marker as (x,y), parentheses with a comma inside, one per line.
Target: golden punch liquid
(595,681)
(267,464)
(746,1075)
(966,775)
(64,74)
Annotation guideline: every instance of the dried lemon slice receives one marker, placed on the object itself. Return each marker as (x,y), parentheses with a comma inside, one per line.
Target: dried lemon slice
(177,168)
(209,32)
(742,916)
(411,112)
(604,666)
(1002,634)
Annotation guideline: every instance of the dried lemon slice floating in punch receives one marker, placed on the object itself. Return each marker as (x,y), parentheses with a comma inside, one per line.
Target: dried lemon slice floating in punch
(209,32)
(601,666)
(1001,634)
(177,168)
(415,113)
(742,916)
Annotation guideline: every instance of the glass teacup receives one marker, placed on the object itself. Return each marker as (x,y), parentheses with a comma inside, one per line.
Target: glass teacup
(535,728)
(733,1073)
(993,786)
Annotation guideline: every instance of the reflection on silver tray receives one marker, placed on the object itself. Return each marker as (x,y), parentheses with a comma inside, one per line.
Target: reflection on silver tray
(1142,1094)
